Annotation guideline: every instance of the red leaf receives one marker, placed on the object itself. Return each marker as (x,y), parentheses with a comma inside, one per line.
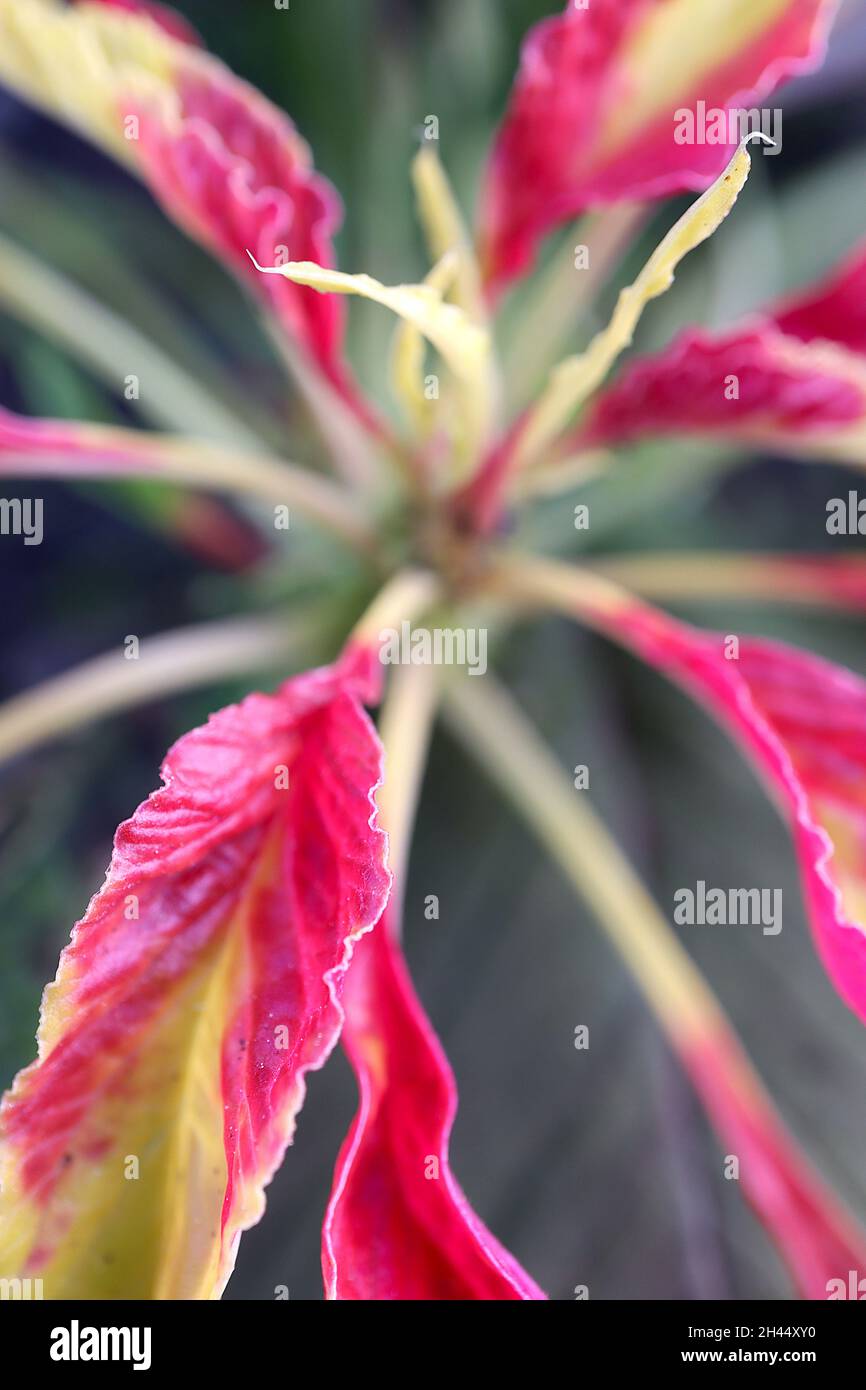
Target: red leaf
(818,1239)
(802,721)
(196,993)
(398,1226)
(223,161)
(233,171)
(752,381)
(592,118)
(834,310)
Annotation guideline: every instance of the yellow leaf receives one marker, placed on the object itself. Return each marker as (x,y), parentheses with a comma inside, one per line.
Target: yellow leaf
(463,345)
(675,49)
(445,230)
(577,377)
(80,64)
(407,355)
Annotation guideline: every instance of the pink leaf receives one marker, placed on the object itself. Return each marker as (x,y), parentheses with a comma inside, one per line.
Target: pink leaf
(592,117)
(752,381)
(818,1239)
(834,310)
(233,171)
(223,161)
(802,721)
(398,1226)
(198,990)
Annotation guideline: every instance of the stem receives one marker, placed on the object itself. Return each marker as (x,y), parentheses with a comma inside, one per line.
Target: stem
(528,581)
(348,440)
(173,661)
(405,729)
(199,464)
(491,727)
(445,230)
(575,379)
(815,1233)
(464,346)
(828,581)
(407,717)
(553,479)
(407,594)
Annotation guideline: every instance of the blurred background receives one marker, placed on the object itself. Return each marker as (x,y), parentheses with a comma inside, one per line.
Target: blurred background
(595,1167)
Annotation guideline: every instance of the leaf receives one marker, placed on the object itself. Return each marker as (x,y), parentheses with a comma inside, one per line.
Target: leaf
(834,310)
(801,722)
(818,1239)
(463,344)
(167,18)
(398,1226)
(575,378)
(793,380)
(595,111)
(407,356)
(444,229)
(752,383)
(227,165)
(198,990)
(73,449)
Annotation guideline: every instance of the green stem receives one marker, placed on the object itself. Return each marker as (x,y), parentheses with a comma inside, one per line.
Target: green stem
(407,594)
(494,731)
(777,1173)
(351,447)
(405,728)
(170,662)
(172,459)
(697,576)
